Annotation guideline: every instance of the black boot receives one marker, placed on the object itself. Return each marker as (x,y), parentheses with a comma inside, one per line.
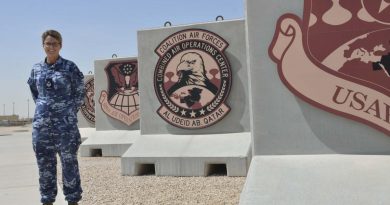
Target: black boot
(73,203)
(48,204)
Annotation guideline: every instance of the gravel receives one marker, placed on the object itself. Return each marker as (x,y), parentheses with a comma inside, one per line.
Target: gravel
(103,184)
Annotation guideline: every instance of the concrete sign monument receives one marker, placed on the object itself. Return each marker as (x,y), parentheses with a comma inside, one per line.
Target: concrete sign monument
(86,114)
(192,78)
(319,102)
(117,107)
(88,107)
(346,69)
(194,94)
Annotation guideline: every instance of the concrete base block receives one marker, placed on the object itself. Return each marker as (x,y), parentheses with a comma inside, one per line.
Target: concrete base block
(318,179)
(86,132)
(189,155)
(111,143)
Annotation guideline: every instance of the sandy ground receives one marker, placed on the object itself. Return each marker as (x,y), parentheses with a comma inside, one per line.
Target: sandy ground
(103,184)
(9,130)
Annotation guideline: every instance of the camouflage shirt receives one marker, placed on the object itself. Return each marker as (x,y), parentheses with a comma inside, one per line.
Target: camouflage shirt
(57,89)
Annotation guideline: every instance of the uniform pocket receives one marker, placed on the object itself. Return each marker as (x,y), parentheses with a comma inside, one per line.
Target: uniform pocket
(61,82)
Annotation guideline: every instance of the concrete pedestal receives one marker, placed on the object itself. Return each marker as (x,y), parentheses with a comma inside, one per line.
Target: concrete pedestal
(188,155)
(318,179)
(169,150)
(298,140)
(87,132)
(111,143)
(112,136)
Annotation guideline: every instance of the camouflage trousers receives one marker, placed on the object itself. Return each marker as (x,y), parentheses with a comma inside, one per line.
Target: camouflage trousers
(48,141)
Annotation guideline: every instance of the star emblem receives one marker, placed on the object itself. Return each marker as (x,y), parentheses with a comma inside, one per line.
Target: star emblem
(183,113)
(202,112)
(192,114)
(127,69)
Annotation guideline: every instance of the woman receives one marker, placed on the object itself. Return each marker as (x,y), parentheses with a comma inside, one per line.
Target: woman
(57,88)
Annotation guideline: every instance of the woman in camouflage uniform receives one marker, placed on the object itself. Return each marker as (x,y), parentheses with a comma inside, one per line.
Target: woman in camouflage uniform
(57,88)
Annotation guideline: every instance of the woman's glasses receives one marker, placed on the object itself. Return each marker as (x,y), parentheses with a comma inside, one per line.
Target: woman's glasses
(51,44)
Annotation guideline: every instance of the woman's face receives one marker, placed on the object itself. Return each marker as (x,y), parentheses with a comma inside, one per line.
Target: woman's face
(52,47)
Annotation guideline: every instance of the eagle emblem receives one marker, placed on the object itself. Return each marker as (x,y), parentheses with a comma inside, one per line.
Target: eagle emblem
(192,78)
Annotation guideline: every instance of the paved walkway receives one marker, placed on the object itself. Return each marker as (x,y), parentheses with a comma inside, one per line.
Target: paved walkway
(18,170)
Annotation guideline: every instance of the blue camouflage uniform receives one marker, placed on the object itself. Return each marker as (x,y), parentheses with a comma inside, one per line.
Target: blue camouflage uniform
(58,92)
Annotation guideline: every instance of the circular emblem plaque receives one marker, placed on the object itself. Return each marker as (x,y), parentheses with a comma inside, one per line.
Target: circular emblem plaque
(192,79)
(88,107)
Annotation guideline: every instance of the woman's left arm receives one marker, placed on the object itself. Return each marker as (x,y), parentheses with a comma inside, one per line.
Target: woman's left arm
(78,92)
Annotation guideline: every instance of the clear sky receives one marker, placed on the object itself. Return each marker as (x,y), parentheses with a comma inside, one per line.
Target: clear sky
(91,30)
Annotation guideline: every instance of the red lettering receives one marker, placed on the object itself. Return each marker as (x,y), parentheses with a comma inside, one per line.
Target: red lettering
(358,100)
(387,113)
(375,107)
(337,94)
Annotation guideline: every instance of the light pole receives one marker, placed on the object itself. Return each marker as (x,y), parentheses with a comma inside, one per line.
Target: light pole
(4,109)
(28,108)
(13,108)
